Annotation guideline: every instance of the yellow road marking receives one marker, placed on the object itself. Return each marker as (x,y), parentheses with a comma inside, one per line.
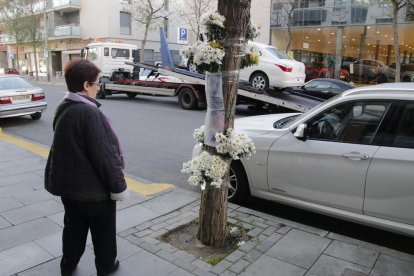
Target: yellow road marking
(133,185)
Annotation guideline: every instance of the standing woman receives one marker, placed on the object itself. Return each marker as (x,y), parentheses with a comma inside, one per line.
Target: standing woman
(84,168)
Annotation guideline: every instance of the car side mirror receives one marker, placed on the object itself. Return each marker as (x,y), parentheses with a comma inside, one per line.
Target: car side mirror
(300,132)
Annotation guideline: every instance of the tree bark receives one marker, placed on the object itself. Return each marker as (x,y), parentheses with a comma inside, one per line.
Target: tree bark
(213,208)
(144,41)
(395,10)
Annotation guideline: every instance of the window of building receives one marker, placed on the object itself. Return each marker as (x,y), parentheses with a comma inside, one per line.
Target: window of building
(166,26)
(340,3)
(106,51)
(125,1)
(166,5)
(125,23)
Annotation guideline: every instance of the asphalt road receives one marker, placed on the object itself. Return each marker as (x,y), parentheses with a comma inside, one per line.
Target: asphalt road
(157,138)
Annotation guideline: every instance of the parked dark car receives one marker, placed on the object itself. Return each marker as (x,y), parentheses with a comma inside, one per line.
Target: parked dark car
(319,70)
(369,70)
(323,88)
(9,71)
(407,72)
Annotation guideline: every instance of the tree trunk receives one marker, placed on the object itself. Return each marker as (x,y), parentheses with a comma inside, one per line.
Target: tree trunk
(396,44)
(35,61)
(144,41)
(213,208)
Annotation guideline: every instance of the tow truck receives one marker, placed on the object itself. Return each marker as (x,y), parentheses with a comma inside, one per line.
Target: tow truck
(190,89)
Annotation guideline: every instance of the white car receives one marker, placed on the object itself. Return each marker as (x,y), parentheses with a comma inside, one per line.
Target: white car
(275,69)
(351,157)
(18,97)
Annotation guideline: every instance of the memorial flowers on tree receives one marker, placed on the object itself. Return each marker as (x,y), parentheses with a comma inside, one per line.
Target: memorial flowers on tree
(208,169)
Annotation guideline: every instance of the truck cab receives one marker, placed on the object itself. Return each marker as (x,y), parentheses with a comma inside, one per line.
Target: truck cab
(110,57)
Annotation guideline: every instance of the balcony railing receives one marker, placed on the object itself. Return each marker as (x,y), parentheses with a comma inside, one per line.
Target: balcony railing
(64,31)
(60,3)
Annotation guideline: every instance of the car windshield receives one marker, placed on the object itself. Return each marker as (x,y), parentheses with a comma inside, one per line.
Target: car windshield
(297,118)
(278,53)
(14,83)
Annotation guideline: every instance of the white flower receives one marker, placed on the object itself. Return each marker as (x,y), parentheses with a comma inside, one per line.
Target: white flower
(208,55)
(212,18)
(241,243)
(198,134)
(233,230)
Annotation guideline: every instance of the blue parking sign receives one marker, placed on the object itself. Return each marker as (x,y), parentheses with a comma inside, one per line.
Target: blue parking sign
(183,34)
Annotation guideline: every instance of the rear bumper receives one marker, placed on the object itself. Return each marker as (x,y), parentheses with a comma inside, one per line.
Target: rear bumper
(14,110)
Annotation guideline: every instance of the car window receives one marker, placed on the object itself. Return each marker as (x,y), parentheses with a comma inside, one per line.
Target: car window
(14,83)
(312,84)
(325,85)
(278,53)
(354,122)
(404,136)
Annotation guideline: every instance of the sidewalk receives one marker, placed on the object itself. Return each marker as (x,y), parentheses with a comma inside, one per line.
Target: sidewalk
(31,228)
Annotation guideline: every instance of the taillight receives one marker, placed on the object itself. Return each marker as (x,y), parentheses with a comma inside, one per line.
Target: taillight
(38,96)
(284,68)
(5,100)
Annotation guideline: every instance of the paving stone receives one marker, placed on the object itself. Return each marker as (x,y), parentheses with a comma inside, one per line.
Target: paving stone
(4,223)
(239,266)
(143,233)
(168,256)
(57,218)
(248,246)
(299,248)
(390,266)
(185,265)
(4,165)
(52,244)
(34,196)
(352,253)
(25,232)
(268,266)
(158,233)
(134,239)
(131,200)
(228,273)
(351,272)
(202,272)
(264,245)
(17,178)
(145,263)
(255,232)
(30,212)
(25,169)
(9,203)
(126,249)
(168,202)
(133,216)
(127,232)
(149,247)
(144,225)
(283,230)
(235,256)
(158,226)
(269,230)
(166,247)
(180,272)
(51,267)
(22,257)
(327,265)
(202,264)
(185,256)
(252,255)
(220,267)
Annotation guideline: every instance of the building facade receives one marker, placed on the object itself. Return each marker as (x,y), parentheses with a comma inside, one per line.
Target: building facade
(341,32)
(72,24)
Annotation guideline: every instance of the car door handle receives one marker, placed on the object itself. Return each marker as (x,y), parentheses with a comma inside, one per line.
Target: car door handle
(355,156)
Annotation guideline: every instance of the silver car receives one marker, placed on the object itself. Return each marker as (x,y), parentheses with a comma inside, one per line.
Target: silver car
(18,97)
(351,157)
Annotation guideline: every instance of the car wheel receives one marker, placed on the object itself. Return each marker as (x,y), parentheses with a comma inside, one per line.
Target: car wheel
(187,99)
(131,95)
(238,187)
(260,80)
(36,116)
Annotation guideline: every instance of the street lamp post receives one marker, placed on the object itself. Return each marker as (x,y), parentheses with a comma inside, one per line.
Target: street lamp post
(46,50)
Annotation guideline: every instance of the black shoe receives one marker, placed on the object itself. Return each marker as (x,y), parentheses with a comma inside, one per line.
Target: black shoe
(112,269)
